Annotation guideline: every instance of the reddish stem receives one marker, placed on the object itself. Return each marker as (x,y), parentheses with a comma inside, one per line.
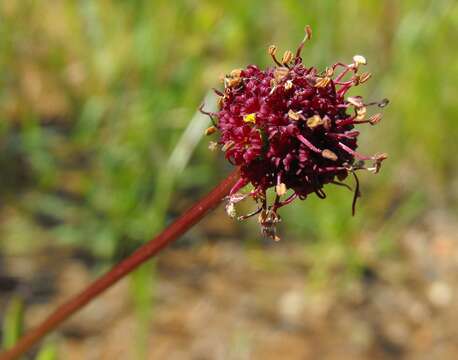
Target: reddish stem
(145,252)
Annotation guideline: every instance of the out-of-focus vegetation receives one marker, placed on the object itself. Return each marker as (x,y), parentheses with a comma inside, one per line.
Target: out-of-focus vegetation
(101,142)
(95,97)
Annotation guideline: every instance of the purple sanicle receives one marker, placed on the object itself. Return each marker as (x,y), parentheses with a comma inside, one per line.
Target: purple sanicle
(292,127)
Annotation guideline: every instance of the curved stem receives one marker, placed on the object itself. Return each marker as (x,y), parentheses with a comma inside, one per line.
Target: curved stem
(144,253)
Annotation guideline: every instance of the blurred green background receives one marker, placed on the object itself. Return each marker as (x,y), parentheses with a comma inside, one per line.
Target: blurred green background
(101,143)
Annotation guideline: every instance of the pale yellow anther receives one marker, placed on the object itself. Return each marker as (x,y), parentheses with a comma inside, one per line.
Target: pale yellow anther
(280,189)
(355,101)
(308,32)
(322,82)
(364,77)
(233,79)
(328,154)
(210,130)
(294,115)
(230,210)
(327,123)
(359,60)
(314,121)
(230,82)
(361,113)
(220,102)
(287,57)
(212,145)
(288,84)
(250,118)
(280,73)
(375,119)
(329,72)
(236,73)
(272,50)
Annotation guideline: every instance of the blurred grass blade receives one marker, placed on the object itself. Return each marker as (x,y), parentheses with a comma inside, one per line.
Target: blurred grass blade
(13,323)
(191,136)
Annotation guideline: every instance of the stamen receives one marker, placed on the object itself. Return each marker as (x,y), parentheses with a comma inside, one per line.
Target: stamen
(353,152)
(308,36)
(287,57)
(347,135)
(272,51)
(308,144)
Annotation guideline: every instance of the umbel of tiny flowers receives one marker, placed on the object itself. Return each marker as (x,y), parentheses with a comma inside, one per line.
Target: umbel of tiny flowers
(291,127)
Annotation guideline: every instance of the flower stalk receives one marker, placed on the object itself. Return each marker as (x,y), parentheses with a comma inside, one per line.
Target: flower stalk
(144,253)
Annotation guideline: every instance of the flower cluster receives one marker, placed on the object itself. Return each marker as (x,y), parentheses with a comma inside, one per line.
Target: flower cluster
(292,128)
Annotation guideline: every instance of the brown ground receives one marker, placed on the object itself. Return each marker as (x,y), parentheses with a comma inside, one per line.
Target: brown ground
(222,301)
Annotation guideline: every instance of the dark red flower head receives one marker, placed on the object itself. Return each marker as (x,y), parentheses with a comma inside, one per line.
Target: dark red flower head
(292,127)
